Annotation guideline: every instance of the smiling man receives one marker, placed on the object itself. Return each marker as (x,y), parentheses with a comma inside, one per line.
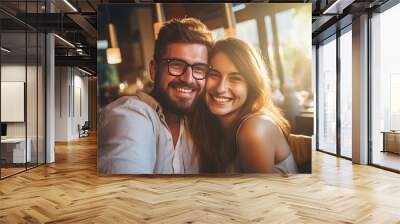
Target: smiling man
(147,133)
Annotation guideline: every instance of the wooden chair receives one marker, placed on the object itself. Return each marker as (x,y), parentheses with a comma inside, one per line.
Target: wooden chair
(301,150)
(84,130)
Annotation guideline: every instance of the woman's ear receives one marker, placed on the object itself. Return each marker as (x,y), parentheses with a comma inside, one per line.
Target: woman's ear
(152,69)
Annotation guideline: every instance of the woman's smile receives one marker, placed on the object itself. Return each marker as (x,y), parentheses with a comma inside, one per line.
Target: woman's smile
(221,99)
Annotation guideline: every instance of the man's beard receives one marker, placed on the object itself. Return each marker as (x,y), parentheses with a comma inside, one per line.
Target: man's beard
(167,103)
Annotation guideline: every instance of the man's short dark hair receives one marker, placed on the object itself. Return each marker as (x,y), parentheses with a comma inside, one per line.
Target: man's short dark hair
(186,30)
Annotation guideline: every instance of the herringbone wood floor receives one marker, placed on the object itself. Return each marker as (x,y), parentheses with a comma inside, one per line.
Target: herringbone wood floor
(70,191)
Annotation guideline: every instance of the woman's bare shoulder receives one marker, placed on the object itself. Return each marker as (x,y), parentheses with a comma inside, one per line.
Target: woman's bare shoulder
(258,138)
(259,124)
(259,127)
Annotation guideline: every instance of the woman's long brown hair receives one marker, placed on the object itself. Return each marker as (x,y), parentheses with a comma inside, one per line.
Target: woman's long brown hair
(216,150)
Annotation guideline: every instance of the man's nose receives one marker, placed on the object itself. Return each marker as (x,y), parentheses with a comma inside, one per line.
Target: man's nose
(187,76)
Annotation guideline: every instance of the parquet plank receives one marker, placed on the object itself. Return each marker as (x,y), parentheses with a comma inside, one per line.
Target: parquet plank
(70,191)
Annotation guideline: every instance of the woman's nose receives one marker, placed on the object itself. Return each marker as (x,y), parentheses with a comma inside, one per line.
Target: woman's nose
(221,86)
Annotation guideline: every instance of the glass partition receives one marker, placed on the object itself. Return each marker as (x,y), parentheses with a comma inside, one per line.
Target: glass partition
(22,91)
(385,89)
(346,93)
(41,96)
(327,96)
(14,151)
(31,97)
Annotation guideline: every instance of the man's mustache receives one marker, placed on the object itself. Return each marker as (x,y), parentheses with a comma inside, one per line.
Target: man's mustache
(181,84)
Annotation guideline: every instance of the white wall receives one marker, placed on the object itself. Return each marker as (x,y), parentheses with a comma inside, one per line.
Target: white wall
(79,112)
(16,73)
(70,83)
(61,103)
(33,127)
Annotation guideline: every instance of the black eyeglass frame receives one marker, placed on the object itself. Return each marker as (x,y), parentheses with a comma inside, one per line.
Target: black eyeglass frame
(169,60)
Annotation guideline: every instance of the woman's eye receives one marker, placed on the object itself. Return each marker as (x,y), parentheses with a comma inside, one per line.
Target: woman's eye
(236,78)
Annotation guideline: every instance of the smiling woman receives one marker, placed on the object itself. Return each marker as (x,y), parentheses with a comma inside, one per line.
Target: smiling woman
(226,89)
(238,110)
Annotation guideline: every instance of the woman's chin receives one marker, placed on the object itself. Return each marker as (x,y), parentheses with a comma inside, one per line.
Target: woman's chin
(219,112)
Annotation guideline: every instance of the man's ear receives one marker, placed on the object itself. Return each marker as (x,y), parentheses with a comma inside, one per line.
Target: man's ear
(152,69)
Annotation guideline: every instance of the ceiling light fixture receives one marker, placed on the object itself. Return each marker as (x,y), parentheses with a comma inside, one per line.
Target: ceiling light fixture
(5,49)
(70,5)
(113,53)
(65,41)
(337,7)
(84,71)
(79,51)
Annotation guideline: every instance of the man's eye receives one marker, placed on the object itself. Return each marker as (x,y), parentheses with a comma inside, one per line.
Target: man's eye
(176,65)
(200,70)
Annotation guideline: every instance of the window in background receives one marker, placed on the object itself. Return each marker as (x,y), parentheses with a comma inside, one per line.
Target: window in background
(290,59)
(247,31)
(394,101)
(270,50)
(283,21)
(346,94)
(385,84)
(294,51)
(327,96)
(218,33)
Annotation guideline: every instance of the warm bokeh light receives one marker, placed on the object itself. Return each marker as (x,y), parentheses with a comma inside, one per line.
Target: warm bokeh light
(113,55)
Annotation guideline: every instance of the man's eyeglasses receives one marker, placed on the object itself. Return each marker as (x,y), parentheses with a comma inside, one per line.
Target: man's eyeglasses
(178,67)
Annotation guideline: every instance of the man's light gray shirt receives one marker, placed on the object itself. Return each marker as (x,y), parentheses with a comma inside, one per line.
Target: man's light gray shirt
(134,138)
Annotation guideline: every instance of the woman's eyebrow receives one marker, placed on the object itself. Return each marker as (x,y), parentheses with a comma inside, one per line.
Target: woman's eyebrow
(215,70)
(234,73)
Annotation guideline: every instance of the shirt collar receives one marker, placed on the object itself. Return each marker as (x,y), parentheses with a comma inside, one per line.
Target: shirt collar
(153,103)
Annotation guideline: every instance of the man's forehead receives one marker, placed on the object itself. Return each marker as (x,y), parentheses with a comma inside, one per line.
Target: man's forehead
(190,52)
